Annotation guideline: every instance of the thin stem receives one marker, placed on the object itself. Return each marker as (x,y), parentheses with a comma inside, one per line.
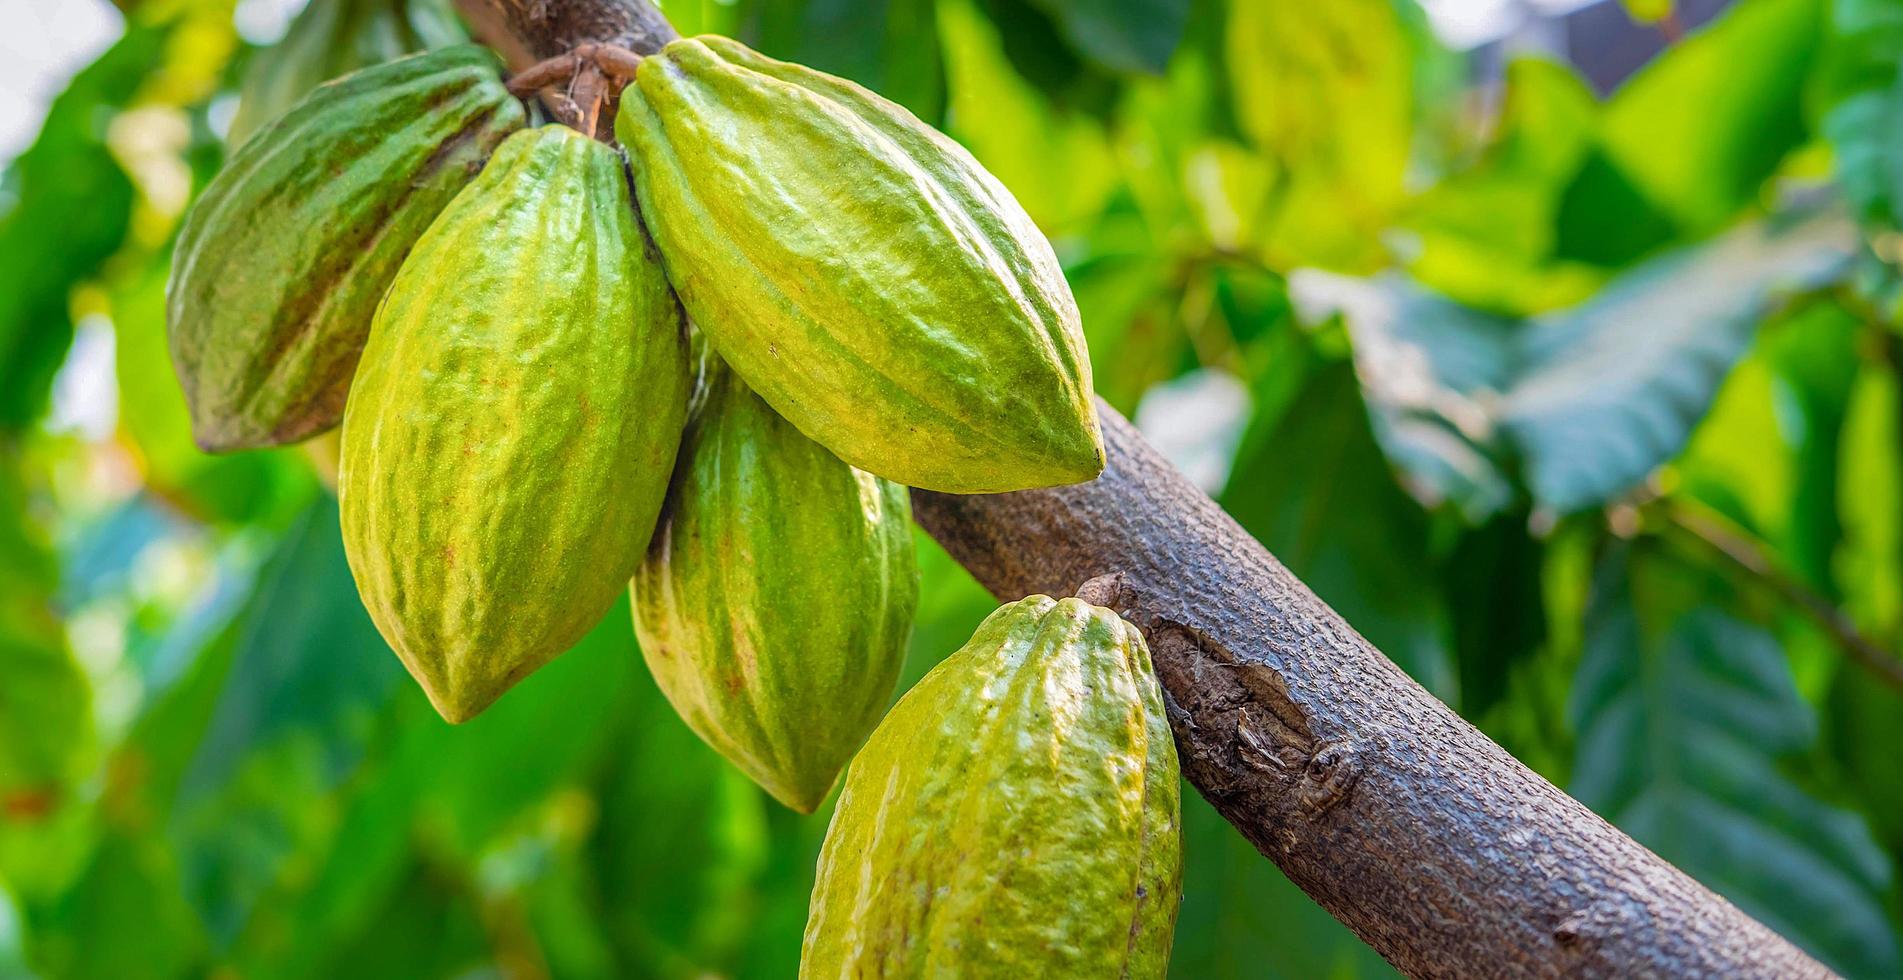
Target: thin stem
(1744,552)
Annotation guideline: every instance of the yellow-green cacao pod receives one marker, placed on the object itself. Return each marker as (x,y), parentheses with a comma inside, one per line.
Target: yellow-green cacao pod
(861,272)
(1015,815)
(776,599)
(282,260)
(509,439)
(330,38)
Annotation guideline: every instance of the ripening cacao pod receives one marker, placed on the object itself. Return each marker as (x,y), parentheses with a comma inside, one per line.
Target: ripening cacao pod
(509,438)
(776,599)
(1015,815)
(330,38)
(281,261)
(861,272)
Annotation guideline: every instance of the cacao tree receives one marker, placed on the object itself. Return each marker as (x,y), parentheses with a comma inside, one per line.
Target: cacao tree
(1505,551)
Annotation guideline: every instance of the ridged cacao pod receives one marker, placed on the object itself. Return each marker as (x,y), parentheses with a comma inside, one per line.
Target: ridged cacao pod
(777,596)
(1015,815)
(281,261)
(330,38)
(509,438)
(861,272)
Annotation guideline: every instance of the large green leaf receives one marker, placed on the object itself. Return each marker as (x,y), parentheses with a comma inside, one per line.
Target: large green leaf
(1697,134)
(1489,232)
(1686,716)
(1430,369)
(67,181)
(1326,91)
(1612,388)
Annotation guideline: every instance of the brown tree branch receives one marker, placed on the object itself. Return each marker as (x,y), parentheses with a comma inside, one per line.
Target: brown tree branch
(1432,843)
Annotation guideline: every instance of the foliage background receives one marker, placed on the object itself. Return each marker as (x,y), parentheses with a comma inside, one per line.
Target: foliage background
(1584,407)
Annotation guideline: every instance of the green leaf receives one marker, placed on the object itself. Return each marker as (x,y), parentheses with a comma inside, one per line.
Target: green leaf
(1325,90)
(46,721)
(1612,388)
(1241,919)
(1122,35)
(1489,233)
(1685,715)
(1648,11)
(1429,367)
(1698,135)
(1058,163)
(68,180)
(1313,487)
(889,46)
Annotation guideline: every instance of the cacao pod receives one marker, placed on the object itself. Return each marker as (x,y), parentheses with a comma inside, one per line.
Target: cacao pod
(1015,815)
(329,38)
(281,261)
(861,272)
(508,442)
(776,599)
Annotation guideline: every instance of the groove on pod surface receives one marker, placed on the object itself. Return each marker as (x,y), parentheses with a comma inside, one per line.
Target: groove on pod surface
(281,261)
(1015,814)
(776,599)
(508,442)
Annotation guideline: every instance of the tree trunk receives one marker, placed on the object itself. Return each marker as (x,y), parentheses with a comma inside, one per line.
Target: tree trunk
(1436,846)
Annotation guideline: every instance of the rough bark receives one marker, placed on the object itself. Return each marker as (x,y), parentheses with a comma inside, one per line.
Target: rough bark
(1432,843)
(1436,846)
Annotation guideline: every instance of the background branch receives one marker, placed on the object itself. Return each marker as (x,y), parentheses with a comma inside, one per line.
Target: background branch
(1432,843)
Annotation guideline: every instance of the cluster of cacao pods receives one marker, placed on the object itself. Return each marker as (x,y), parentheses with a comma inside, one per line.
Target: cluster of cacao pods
(705,371)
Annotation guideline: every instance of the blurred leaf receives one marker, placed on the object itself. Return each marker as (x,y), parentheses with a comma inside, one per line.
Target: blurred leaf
(1492,583)
(1612,388)
(1648,11)
(1242,920)
(1684,714)
(1325,90)
(1488,233)
(1430,369)
(68,180)
(427,927)
(129,893)
(45,697)
(1606,219)
(681,844)
(449,789)
(889,46)
(1313,487)
(1123,35)
(1057,163)
(309,677)
(329,38)
(1697,134)
(1870,484)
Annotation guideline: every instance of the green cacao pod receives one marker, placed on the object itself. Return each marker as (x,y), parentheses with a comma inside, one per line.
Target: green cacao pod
(508,442)
(776,599)
(861,272)
(330,38)
(1015,815)
(281,262)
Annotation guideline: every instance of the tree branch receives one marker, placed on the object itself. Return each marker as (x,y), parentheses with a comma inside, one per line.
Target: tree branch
(1432,843)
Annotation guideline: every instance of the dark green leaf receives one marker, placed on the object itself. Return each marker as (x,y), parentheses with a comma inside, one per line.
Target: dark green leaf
(1684,715)
(1314,488)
